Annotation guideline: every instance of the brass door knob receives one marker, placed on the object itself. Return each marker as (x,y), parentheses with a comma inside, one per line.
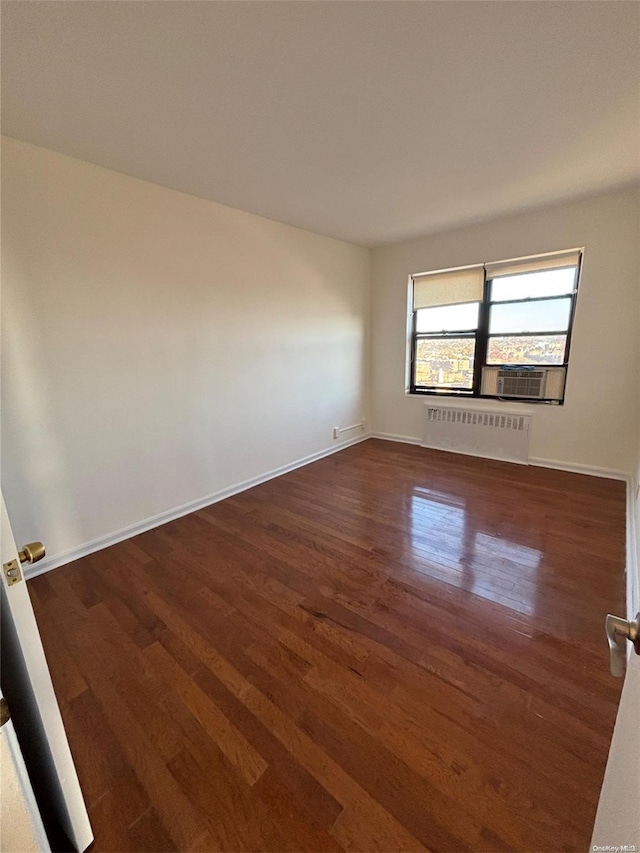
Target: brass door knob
(32,552)
(618,632)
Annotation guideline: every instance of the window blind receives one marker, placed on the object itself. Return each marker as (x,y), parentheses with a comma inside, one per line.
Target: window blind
(517,266)
(448,287)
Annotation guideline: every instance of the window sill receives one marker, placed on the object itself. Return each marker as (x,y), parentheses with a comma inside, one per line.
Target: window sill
(474,399)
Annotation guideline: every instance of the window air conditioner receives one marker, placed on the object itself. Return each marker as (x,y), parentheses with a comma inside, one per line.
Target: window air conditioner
(522,382)
(528,383)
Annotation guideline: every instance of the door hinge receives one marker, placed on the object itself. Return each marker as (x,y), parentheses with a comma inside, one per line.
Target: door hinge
(5,713)
(12,572)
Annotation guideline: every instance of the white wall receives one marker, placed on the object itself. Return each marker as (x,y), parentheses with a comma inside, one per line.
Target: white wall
(158,347)
(618,815)
(597,426)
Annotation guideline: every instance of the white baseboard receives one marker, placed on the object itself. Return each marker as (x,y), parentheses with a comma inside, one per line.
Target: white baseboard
(578,468)
(101,542)
(403,439)
(407,439)
(539,462)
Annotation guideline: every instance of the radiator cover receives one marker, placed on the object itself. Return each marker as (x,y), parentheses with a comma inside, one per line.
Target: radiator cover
(477,432)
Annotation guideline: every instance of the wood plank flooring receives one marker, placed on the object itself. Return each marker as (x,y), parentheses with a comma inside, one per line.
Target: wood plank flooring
(389,649)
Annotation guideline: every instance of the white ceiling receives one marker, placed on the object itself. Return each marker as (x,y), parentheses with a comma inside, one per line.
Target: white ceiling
(366,121)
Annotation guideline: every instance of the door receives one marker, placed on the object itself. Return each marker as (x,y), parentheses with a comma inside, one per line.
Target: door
(35,715)
(617,823)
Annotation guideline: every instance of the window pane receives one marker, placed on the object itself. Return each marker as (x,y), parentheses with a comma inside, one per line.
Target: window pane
(445,362)
(529,349)
(532,284)
(448,318)
(548,316)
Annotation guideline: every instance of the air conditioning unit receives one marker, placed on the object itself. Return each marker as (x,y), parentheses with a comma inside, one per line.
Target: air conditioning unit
(529,383)
(521,383)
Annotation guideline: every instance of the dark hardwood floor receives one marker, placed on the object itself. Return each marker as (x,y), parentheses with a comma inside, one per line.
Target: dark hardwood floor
(389,649)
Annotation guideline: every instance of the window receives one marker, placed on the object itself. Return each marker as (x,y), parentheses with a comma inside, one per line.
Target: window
(494,330)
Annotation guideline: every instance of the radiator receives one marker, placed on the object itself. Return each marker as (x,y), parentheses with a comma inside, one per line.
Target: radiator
(477,432)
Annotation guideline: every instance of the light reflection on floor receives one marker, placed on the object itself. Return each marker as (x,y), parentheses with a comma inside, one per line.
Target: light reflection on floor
(450,544)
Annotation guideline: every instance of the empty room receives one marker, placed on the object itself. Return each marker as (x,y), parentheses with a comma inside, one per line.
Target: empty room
(320,425)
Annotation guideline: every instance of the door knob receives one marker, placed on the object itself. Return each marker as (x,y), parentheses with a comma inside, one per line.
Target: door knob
(32,552)
(618,631)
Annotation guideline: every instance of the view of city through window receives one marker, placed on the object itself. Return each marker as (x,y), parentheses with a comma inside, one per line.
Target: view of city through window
(527,349)
(445,362)
(448,362)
